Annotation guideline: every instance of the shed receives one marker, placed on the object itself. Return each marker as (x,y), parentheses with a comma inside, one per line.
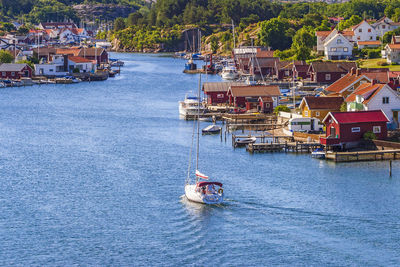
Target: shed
(347,129)
(15,71)
(217,92)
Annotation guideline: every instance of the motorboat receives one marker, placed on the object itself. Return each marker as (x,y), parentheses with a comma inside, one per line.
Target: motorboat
(191,106)
(229,73)
(202,190)
(212,129)
(319,153)
(205,192)
(246,141)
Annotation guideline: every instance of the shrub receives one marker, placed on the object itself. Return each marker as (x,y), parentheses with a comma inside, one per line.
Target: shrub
(369,136)
(382,63)
(281,108)
(375,53)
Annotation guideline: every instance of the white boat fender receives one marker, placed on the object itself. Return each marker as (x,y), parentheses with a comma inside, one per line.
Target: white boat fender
(220,191)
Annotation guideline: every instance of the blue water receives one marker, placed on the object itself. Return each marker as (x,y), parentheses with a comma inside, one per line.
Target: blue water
(93,174)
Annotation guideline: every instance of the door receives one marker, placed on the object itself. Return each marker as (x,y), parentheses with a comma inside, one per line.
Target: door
(396,118)
(333,132)
(312,124)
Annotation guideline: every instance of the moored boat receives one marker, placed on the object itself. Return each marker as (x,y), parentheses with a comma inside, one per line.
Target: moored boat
(212,129)
(191,106)
(229,73)
(318,153)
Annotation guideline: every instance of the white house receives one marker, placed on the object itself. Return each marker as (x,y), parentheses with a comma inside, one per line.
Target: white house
(56,67)
(364,32)
(325,36)
(384,25)
(338,47)
(376,96)
(392,52)
(80,63)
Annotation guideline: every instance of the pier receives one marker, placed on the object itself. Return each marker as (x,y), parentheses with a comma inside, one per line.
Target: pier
(371,155)
(283,147)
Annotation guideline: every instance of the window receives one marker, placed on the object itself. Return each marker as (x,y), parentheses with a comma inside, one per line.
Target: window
(317,113)
(12,73)
(327,77)
(359,30)
(4,74)
(359,38)
(385,100)
(383,26)
(267,105)
(370,37)
(369,30)
(376,129)
(345,49)
(355,129)
(220,95)
(339,41)
(51,70)
(333,49)
(306,113)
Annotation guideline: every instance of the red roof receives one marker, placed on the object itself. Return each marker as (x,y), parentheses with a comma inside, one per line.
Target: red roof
(366,90)
(79,59)
(358,116)
(322,33)
(344,82)
(394,46)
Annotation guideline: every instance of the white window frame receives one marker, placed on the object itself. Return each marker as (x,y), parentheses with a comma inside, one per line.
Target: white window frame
(385,100)
(355,129)
(317,113)
(376,129)
(345,49)
(333,49)
(13,73)
(328,77)
(306,113)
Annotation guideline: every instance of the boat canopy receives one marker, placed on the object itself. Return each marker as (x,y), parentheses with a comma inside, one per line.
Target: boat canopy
(200,184)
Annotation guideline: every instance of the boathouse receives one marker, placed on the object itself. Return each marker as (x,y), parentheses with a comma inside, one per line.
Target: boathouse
(347,129)
(15,71)
(217,92)
(329,72)
(248,96)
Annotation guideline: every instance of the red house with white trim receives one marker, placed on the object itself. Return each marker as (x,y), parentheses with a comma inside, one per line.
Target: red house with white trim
(217,92)
(15,71)
(346,129)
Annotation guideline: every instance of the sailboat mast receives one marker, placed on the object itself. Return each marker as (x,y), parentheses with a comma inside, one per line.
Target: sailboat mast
(198,127)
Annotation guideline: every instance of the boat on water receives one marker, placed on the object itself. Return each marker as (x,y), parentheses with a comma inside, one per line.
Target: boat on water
(202,190)
(212,129)
(229,73)
(191,106)
(246,141)
(318,153)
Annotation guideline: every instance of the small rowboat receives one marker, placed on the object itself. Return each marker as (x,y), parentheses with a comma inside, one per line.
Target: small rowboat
(246,141)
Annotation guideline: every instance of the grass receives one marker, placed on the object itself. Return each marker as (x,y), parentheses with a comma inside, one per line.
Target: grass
(373,63)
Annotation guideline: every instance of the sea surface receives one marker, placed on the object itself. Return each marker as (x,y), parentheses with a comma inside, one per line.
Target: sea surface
(92,174)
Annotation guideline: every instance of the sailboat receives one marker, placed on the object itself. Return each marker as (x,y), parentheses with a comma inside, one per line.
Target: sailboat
(202,190)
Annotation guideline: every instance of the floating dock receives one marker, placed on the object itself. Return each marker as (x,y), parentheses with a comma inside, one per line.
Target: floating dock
(371,155)
(283,147)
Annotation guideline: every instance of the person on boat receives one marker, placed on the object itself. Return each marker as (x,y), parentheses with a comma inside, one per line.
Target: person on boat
(210,189)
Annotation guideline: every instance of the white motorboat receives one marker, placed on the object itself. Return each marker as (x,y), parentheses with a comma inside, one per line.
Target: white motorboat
(191,106)
(229,73)
(245,141)
(319,153)
(211,129)
(205,192)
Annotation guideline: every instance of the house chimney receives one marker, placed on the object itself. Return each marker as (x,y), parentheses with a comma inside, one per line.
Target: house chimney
(352,71)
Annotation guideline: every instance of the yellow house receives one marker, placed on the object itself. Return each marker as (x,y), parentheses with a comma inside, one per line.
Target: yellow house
(319,107)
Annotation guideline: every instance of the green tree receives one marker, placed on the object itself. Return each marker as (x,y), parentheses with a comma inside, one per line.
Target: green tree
(119,24)
(343,107)
(325,26)
(303,42)
(353,20)
(214,44)
(5,57)
(275,33)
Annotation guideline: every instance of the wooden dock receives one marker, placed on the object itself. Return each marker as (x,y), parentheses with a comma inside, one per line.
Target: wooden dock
(283,147)
(371,155)
(263,138)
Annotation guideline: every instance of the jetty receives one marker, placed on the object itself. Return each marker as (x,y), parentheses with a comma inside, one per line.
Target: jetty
(283,147)
(371,155)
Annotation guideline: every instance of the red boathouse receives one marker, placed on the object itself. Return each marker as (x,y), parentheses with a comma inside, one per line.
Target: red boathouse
(347,129)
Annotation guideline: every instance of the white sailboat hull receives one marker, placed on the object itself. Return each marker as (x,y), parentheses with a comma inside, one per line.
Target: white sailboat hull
(195,196)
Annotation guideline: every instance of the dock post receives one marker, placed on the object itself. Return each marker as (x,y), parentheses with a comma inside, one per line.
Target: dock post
(225,135)
(220,134)
(390,168)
